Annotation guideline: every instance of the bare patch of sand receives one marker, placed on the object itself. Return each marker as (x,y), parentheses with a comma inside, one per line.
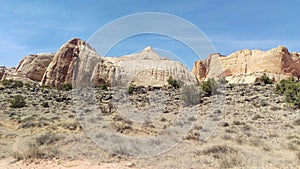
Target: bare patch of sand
(60,164)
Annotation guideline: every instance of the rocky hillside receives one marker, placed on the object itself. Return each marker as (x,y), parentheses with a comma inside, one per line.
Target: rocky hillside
(245,66)
(256,129)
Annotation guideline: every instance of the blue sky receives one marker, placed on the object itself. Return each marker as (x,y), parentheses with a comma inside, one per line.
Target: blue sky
(28,27)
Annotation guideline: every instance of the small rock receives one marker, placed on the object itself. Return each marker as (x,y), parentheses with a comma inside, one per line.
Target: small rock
(242,93)
(223,124)
(166,111)
(107,97)
(131,165)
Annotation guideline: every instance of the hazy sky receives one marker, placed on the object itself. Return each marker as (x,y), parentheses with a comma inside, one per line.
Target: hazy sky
(28,27)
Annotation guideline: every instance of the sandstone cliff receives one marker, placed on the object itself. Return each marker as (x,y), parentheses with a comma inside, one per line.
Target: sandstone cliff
(246,65)
(34,66)
(143,68)
(78,63)
(72,63)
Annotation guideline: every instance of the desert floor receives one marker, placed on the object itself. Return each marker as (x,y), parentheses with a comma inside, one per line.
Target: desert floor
(255,129)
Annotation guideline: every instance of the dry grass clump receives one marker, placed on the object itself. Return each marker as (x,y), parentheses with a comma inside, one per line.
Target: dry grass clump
(298,157)
(231,161)
(216,149)
(41,146)
(229,157)
(71,125)
(292,146)
(297,122)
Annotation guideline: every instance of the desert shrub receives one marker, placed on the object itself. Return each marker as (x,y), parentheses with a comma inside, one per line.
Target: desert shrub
(17,101)
(283,85)
(231,161)
(28,85)
(217,149)
(17,84)
(47,138)
(209,87)
(297,122)
(102,86)
(222,80)
(174,83)
(228,156)
(71,125)
(67,87)
(130,89)
(265,79)
(190,95)
(45,104)
(12,84)
(6,82)
(291,90)
(41,146)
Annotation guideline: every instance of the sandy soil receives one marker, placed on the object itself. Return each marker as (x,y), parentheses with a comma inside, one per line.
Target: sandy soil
(59,164)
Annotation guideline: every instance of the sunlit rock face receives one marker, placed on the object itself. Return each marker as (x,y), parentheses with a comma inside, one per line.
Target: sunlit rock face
(73,63)
(34,66)
(145,68)
(245,66)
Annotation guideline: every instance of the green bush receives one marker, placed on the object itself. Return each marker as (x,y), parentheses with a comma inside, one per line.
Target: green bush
(18,101)
(6,82)
(174,83)
(190,95)
(28,85)
(265,79)
(67,87)
(130,89)
(283,85)
(45,104)
(12,84)
(17,84)
(291,90)
(209,87)
(102,86)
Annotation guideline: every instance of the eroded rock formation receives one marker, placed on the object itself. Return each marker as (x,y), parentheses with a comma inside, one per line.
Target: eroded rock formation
(34,66)
(245,66)
(145,68)
(73,63)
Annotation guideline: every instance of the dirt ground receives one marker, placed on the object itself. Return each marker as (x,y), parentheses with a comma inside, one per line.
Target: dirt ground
(255,129)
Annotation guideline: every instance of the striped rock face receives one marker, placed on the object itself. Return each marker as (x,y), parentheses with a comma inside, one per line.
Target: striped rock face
(145,68)
(34,66)
(71,63)
(78,63)
(246,66)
